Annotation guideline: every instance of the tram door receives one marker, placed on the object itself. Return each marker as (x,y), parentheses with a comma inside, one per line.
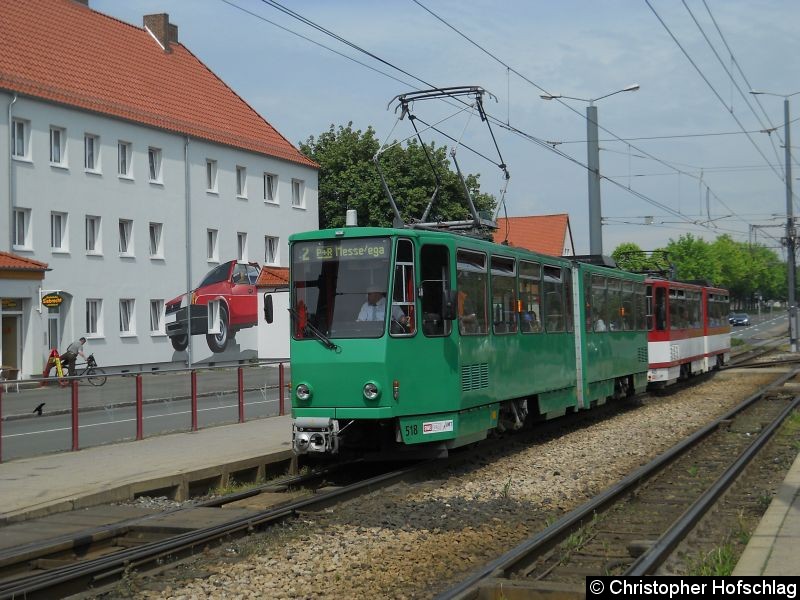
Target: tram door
(660,311)
(435,280)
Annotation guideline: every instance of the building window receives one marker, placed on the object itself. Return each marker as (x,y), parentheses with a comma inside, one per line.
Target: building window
(270,188)
(94,317)
(93,235)
(127,316)
(126,237)
(156,241)
(22,228)
(270,250)
(57,146)
(241,246)
(211,175)
(156,316)
(124,159)
(212,249)
(58,231)
(91,153)
(154,162)
(241,182)
(20,130)
(297,193)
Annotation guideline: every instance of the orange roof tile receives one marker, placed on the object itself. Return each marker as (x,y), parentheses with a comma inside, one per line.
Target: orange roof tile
(273,277)
(65,52)
(543,233)
(14,262)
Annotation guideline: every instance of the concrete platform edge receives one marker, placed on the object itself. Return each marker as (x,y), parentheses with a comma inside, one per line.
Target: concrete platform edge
(176,486)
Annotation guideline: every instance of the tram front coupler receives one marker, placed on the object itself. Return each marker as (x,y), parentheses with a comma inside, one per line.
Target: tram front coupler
(315,435)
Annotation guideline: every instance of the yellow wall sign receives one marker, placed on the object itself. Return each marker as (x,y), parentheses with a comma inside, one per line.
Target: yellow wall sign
(51,300)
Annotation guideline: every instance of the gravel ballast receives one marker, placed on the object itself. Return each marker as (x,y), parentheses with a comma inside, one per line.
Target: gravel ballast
(410,541)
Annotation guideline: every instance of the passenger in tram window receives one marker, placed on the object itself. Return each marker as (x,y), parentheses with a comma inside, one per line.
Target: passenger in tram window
(529,321)
(467,316)
(374,308)
(599,325)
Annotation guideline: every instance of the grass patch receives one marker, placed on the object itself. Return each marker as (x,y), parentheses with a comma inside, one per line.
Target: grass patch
(505,493)
(720,561)
(234,486)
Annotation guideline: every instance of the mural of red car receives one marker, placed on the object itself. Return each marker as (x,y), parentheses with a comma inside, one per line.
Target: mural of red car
(226,297)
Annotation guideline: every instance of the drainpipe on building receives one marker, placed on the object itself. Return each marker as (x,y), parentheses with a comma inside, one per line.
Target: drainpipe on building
(11,199)
(187,187)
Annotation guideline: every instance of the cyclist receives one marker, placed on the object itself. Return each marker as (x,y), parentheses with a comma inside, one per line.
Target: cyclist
(69,357)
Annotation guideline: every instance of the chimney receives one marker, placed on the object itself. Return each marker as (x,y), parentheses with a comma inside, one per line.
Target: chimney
(161,29)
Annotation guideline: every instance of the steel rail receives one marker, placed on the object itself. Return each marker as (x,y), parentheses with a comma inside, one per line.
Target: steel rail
(75,578)
(41,548)
(525,553)
(649,561)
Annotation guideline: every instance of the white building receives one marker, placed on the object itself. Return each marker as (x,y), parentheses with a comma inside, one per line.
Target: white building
(131,170)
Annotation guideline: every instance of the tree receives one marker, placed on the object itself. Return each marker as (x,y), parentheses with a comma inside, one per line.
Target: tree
(693,259)
(631,257)
(348,179)
(745,270)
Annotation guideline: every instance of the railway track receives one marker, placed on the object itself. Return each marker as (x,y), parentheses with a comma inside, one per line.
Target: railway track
(633,527)
(99,556)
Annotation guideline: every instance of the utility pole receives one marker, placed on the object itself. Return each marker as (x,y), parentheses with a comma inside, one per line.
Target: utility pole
(593,162)
(593,165)
(790,234)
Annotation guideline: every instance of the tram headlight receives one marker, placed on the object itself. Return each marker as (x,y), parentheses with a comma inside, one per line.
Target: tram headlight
(303,391)
(371,391)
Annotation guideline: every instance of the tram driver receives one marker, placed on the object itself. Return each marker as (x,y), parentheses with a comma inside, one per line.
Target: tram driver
(374,308)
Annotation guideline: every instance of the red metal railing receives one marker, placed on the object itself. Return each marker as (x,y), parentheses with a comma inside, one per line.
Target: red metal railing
(74,406)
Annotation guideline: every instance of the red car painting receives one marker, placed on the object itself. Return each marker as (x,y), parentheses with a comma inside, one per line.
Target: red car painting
(231,289)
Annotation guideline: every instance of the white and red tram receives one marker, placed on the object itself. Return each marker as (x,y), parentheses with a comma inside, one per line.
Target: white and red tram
(688,332)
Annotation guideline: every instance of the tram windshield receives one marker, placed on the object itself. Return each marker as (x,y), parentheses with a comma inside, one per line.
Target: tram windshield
(339,288)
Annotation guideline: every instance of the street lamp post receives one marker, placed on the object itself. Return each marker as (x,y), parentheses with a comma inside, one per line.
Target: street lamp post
(791,233)
(593,164)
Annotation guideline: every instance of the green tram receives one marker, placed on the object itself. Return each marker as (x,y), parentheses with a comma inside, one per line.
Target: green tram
(418,341)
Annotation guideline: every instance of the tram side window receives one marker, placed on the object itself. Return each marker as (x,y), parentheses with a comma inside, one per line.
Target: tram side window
(600,319)
(435,274)
(403,318)
(568,302)
(614,304)
(553,299)
(504,314)
(678,311)
(472,286)
(587,301)
(710,306)
(627,314)
(694,310)
(641,307)
(530,280)
(718,310)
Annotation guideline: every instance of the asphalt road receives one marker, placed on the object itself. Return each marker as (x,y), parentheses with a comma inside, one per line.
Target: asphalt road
(760,324)
(107,414)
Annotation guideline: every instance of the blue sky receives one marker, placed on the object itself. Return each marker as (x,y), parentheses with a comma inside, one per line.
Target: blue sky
(577,48)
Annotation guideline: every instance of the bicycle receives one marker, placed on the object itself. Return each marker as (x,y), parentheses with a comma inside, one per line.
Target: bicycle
(94,374)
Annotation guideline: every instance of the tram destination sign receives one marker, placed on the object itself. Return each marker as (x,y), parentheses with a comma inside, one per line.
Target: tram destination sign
(343,250)
(52,300)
